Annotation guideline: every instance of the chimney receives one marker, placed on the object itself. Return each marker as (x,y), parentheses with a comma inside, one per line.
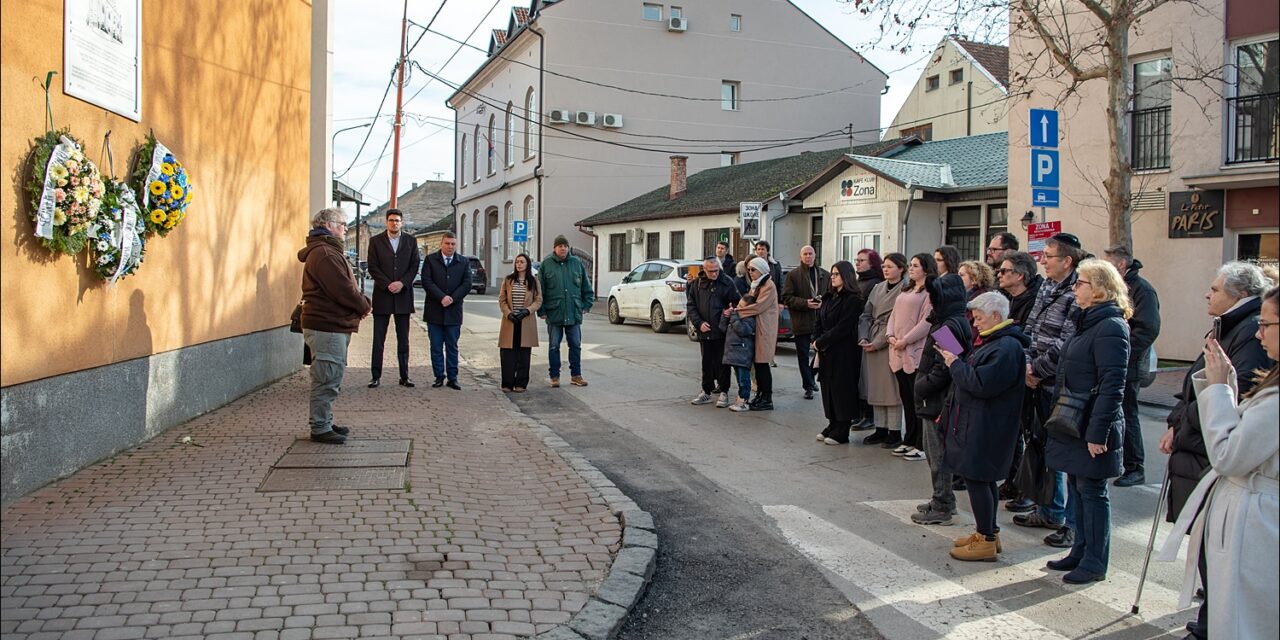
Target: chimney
(679,176)
(415,186)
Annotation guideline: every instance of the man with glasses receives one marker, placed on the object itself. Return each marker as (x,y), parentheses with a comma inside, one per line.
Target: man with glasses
(393,263)
(1001,245)
(1019,280)
(332,308)
(1050,325)
(710,296)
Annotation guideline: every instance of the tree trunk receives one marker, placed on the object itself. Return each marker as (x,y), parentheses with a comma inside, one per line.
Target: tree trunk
(1119,178)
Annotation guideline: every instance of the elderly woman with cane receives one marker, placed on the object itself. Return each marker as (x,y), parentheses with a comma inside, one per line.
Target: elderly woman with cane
(981,424)
(1234,513)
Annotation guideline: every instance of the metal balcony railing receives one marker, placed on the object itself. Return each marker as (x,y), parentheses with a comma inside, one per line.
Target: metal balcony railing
(1255,128)
(1151,139)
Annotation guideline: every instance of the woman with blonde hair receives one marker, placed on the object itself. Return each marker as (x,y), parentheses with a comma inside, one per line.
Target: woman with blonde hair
(1086,426)
(978,278)
(1233,512)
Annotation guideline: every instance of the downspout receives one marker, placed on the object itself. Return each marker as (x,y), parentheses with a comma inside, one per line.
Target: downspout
(542,100)
(906,217)
(968,109)
(457,228)
(595,261)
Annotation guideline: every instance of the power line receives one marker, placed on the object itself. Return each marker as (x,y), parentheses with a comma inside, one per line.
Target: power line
(456,51)
(652,93)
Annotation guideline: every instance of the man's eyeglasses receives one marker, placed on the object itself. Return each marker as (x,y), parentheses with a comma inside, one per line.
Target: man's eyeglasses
(1264,325)
(1002,271)
(1047,256)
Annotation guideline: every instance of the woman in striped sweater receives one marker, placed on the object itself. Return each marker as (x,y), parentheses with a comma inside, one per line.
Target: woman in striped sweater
(518,299)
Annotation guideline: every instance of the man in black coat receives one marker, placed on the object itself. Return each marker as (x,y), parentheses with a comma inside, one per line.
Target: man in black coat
(709,296)
(725,259)
(1019,280)
(802,288)
(393,263)
(1144,328)
(446,277)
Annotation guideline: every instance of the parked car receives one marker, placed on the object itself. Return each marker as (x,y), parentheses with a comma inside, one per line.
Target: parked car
(479,276)
(654,291)
(784,322)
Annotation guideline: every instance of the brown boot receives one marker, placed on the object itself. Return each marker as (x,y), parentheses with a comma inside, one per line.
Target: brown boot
(975,537)
(555,383)
(982,550)
(578,381)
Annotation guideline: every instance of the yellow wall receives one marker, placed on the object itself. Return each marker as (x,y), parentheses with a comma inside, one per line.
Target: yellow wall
(226,87)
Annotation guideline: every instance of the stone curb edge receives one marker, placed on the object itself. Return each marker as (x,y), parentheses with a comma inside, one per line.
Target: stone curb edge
(632,568)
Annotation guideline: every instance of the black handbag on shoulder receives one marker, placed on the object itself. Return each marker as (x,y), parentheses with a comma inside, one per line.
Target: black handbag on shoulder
(1069,413)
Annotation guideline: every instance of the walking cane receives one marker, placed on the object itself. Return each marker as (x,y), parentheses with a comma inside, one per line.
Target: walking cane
(1151,541)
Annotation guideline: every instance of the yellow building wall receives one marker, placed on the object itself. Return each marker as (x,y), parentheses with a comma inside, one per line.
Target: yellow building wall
(225,86)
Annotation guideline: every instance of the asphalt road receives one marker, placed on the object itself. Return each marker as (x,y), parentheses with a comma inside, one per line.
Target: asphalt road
(768,534)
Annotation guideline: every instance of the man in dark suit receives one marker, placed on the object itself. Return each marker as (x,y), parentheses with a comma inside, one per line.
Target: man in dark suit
(446,277)
(726,259)
(393,263)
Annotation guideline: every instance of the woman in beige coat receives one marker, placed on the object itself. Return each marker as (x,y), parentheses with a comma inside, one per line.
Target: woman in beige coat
(518,300)
(882,386)
(761,303)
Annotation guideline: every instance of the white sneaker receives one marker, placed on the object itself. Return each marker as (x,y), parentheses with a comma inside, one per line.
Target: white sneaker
(739,405)
(902,450)
(832,441)
(821,437)
(703,398)
(722,401)
(913,454)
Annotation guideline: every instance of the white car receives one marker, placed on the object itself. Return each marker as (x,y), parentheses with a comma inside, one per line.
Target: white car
(654,291)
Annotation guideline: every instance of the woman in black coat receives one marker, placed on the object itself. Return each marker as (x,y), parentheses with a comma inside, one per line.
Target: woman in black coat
(839,357)
(983,418)
(933,383)
(868,265)
(1094,362)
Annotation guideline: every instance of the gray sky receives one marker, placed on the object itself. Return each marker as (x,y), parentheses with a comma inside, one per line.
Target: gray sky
(367,41)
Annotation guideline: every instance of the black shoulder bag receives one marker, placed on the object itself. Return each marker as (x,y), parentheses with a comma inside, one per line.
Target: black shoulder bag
(1070,412)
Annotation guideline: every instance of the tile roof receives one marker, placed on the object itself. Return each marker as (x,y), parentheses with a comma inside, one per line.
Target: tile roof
(993,57)
(723,188)
(422,205)
(443,224)
(973,162)
(500,36)
(522,16)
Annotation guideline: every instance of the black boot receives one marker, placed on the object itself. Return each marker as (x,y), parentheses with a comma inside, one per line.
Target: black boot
(765,402)
(879,436)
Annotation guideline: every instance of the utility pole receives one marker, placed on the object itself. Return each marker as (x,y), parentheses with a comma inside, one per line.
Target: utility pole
(395,158)
(850,137)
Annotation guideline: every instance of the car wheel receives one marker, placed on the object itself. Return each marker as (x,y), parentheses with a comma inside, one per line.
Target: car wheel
(658,319)
(691,330)
(614,316)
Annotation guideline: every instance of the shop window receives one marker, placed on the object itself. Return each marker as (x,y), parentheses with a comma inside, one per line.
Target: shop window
(1260,248)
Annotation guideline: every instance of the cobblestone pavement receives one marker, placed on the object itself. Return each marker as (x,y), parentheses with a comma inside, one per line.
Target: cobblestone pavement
(496,535)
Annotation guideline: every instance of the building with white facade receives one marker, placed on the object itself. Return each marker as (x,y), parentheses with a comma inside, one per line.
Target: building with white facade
(961,92)
(581,103)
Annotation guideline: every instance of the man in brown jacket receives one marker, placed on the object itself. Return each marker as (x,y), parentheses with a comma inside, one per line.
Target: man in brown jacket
(332,308)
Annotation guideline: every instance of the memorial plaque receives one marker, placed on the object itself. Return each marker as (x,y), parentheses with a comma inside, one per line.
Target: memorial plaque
(334,458)
(352,446)
(343,479)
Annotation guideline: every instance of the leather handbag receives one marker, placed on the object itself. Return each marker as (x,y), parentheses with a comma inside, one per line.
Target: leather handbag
(1070,412)
(295,319)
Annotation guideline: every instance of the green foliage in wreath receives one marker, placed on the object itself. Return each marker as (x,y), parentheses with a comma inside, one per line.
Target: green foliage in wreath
(163,194)
(77,191)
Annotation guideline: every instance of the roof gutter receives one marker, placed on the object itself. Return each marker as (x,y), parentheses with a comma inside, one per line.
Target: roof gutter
(906,217)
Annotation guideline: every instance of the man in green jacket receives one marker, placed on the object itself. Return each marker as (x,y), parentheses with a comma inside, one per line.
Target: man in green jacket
(566,297)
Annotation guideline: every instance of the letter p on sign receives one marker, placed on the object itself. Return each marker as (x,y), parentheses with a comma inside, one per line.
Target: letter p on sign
(1044,168)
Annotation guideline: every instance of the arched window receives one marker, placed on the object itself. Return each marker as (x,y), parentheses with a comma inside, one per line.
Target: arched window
(475,155)
(489,144)
(532,118)
(475,233)
(508,217)
(462,234)
(462,163)
(509,141)
(531,216)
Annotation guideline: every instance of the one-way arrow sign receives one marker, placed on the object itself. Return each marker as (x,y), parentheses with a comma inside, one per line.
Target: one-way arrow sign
(1044,128)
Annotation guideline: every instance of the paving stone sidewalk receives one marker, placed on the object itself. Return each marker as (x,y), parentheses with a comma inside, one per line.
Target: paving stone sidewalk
(500,533)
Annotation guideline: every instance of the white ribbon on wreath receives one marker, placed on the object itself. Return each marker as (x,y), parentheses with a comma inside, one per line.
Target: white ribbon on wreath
(127,237)
(157,158)
(44,213)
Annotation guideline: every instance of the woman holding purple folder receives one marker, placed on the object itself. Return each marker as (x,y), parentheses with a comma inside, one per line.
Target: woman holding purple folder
(982,419)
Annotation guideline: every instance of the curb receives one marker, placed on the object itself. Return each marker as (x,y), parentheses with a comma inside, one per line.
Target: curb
(632,567)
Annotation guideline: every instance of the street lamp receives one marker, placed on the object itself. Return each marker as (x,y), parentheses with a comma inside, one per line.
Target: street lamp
(333,172)
(1027,219)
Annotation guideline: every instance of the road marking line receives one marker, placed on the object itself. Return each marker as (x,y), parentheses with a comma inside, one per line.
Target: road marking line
(901,584)
(1026,555)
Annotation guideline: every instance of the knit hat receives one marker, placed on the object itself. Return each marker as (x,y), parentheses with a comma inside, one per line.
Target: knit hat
(560,240)
(759,265)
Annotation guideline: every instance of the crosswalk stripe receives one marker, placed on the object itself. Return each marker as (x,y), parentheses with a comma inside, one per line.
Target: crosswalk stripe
(901,584)
(1026,553)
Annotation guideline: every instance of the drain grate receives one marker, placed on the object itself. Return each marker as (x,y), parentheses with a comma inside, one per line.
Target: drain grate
(357,465)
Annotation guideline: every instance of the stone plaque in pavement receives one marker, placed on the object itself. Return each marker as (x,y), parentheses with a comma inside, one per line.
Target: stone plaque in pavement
(340,458)
(354,445)
(347,478)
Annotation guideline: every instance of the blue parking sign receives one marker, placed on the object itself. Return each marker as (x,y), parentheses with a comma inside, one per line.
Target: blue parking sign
(1044,169)
(520,230)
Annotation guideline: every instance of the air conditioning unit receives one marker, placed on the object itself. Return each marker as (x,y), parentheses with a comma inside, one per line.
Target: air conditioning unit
(635,236)
(560,116)
(677,24)
(613,120)
(587,118)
